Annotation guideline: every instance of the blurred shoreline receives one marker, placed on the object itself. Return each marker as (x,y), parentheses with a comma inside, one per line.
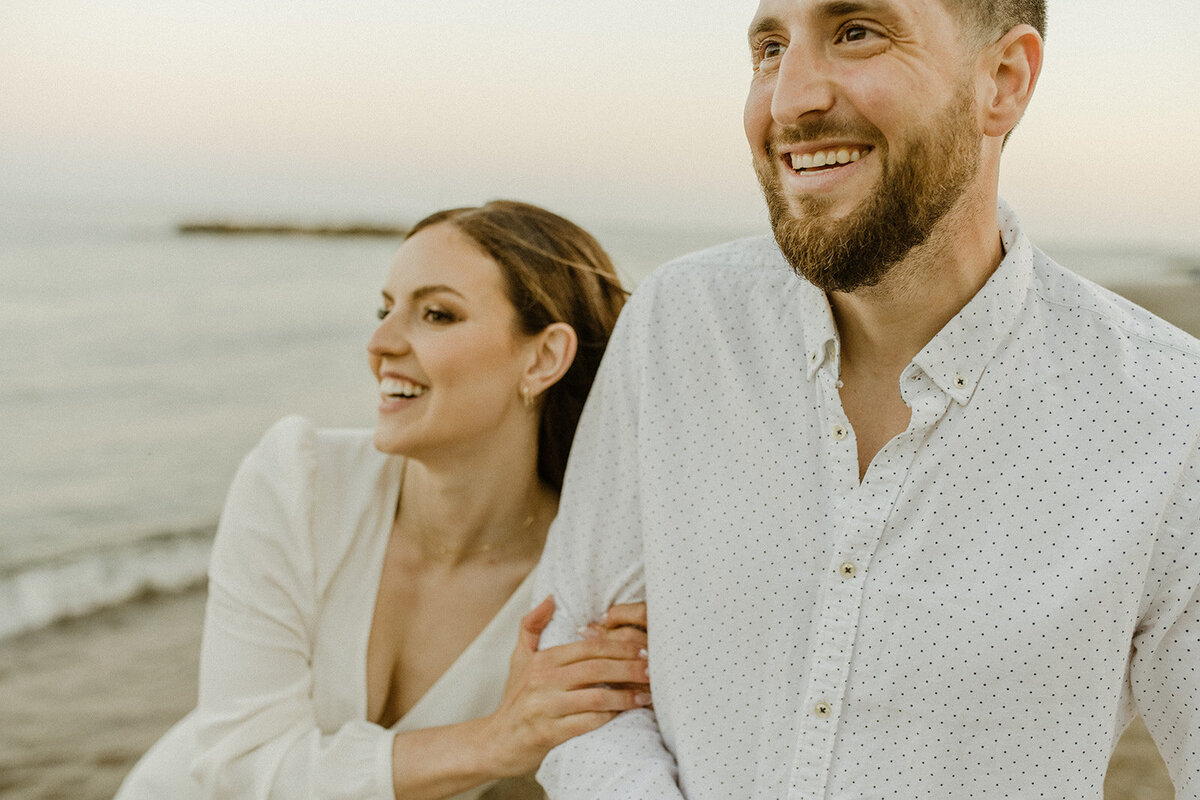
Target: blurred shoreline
(230,228)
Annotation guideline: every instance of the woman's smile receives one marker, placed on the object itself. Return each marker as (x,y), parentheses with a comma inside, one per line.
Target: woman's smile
(446,354)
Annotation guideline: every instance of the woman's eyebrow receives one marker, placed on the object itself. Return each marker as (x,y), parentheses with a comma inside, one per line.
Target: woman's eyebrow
(425,291)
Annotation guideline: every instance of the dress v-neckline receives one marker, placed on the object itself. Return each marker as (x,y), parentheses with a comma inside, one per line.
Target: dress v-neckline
(503,626)
(436,704)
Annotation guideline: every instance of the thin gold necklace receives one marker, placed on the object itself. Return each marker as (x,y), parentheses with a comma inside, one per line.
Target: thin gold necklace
(440,549)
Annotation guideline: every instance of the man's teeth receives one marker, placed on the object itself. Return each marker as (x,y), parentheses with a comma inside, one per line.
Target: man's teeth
(824,158)
(393,387)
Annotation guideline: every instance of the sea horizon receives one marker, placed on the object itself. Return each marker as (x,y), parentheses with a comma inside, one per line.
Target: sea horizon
(141,365)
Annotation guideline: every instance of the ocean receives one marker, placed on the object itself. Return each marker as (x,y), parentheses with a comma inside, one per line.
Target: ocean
(139,365)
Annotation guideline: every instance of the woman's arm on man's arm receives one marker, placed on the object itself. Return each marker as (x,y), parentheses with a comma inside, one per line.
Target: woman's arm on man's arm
(593,560)
(256,724)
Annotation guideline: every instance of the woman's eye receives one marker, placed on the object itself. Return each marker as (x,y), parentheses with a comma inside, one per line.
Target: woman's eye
(381,313)
(437,315)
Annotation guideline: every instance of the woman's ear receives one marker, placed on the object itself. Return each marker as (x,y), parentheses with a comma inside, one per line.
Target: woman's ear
(1013,63)
(552,351)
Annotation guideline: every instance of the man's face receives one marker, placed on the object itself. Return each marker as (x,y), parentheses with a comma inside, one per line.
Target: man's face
(863,123)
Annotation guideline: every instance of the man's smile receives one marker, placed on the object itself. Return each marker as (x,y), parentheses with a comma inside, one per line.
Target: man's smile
(824,158)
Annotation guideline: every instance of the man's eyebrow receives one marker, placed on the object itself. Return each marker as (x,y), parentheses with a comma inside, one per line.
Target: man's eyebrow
(846,8)
(832,8)
(762,25)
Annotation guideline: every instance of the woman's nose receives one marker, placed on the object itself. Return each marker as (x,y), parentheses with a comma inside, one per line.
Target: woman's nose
(389,337)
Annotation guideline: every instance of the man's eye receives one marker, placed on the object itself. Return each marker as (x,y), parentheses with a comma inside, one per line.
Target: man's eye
(381,313)
(769,51)
(855,33)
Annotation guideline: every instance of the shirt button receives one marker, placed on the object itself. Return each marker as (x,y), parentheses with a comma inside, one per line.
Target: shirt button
(840,432)
(823,710)
(847,570)
(960,381)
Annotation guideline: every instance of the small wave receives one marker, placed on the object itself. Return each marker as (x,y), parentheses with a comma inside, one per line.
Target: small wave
(71,586)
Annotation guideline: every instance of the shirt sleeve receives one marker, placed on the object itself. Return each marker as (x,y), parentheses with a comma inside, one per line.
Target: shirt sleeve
(1165,666)
(593,560)
(257,731)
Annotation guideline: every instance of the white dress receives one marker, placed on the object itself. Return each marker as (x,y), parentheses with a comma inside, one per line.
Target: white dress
(292,586)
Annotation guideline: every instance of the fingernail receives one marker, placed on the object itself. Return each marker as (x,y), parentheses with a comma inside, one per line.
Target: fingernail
(590,633)
(644,653)
(643,699)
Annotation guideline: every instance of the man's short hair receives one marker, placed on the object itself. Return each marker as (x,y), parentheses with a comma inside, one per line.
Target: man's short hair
(988,20)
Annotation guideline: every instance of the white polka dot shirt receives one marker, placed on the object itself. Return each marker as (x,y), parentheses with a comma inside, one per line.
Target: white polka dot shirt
(1015,576)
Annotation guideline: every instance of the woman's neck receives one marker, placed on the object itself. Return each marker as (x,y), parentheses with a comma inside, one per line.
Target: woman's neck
(475,509)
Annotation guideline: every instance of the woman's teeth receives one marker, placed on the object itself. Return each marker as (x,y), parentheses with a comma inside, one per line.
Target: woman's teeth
(826,158)
(397,388)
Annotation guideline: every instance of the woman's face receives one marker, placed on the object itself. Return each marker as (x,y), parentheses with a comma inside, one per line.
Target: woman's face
(447,354)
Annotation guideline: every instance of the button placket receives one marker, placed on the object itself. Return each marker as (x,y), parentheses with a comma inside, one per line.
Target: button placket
(833,645)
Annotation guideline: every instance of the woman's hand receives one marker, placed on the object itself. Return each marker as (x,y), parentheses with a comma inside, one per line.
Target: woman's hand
(555,694)
(626,621)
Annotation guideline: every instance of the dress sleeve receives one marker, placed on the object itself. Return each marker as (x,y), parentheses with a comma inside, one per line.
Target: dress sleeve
(257,732)
(1165,666)
(593,558)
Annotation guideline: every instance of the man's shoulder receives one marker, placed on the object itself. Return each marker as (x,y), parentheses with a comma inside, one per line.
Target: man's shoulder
(741,260)
(1078,302)
(740,294)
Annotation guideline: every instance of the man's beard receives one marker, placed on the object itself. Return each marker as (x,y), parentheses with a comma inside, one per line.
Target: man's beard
(919,185)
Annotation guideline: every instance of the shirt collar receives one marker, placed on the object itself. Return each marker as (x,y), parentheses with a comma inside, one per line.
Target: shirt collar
(820,334)
(956,357)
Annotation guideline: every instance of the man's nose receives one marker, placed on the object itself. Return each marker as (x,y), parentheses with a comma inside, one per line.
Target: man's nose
(803,86)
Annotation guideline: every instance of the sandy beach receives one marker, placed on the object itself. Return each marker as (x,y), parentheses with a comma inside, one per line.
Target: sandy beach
(80,701)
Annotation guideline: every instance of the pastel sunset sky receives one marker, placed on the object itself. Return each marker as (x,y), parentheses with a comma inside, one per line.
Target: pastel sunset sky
(623,110)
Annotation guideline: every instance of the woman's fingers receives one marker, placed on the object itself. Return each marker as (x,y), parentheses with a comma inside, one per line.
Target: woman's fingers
(605,647)
(602,699)
(625,614)
(625,634)
(533,623)
(602,670)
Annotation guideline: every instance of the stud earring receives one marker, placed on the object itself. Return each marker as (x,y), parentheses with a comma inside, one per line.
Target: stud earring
(526,396)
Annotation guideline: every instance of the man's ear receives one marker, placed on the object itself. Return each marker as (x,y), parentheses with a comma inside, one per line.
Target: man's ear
(1013,65)
(551,352)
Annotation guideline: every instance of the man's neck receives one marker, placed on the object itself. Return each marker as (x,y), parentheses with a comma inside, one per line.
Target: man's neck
(883,327)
